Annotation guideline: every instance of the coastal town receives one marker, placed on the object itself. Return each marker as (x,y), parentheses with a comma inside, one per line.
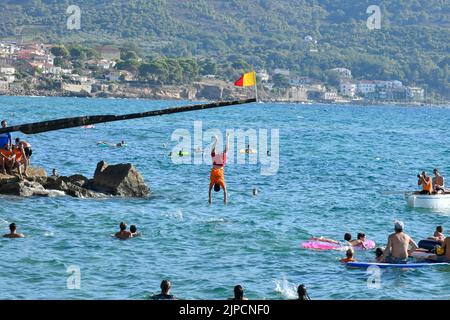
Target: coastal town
(109,71)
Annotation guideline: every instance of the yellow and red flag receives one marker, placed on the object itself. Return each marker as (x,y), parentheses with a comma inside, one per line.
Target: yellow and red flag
(248,79)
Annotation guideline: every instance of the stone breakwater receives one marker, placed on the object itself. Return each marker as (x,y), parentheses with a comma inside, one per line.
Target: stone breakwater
(120,180)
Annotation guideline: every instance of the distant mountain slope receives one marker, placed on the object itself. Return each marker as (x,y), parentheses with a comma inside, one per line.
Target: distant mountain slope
(412,44)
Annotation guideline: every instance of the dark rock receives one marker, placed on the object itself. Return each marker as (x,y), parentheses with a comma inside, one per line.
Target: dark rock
(119,180)
(23,188)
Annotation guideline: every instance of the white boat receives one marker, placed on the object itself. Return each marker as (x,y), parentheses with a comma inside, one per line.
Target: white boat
(433,201)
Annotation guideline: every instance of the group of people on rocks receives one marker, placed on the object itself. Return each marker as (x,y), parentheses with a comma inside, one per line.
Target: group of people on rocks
(14,156)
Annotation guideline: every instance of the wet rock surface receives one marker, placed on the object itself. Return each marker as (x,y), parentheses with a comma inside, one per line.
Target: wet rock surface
(121,180)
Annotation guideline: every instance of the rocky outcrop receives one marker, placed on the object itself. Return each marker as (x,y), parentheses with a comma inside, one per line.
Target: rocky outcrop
(119,180)
(116,180)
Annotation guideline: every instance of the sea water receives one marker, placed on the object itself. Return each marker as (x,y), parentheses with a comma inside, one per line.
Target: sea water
(339,170)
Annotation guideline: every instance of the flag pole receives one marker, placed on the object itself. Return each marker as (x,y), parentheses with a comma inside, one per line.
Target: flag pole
(256,89)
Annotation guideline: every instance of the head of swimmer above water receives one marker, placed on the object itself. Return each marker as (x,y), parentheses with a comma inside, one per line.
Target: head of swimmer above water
(361,236)
(349,253)
(133,228)
(217,187)
(123,226)
(165,286)
(347,237)
(378,252)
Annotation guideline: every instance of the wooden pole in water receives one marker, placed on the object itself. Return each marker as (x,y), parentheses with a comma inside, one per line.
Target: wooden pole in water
(51,125)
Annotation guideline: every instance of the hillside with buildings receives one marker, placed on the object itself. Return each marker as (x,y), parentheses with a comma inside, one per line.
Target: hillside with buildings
(307,38)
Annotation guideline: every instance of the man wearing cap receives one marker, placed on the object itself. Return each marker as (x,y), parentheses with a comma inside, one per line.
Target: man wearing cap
(398,245)
(438,182)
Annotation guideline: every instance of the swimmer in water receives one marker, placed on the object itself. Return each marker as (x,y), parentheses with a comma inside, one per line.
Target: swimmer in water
(322,239)
(379,255)
(355,243)
(238,293)
(349,256)
(123,234)
(255,192)
(217,179)
(13,233)
(120,144)
(302,293)
(165,292)
(133,230)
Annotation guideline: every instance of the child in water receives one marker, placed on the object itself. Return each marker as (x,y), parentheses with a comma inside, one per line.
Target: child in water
(379,255)
(349,258)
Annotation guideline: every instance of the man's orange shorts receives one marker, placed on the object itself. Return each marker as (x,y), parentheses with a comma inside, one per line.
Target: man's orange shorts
(217,177)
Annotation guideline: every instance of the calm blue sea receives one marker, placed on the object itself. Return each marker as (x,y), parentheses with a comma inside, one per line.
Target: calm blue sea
(335,163)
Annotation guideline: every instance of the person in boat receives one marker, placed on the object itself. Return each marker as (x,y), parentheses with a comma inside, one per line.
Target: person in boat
(26,146)
(8,158)
(12,232)
(438,182)
(5,138)
(349,256)
(165,292)
(302,293)
(123,234)
(238,293)
(379,255)
(425,182)
(217,179)
(397,248)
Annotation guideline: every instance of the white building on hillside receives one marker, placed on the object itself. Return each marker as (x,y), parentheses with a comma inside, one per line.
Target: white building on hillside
(263,75)
(283,72)
(366,86)
(348,88)
(343,72)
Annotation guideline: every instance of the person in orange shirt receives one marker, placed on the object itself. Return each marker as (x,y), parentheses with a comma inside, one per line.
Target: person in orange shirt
(349,257)
(8,158)
(21,160)
(217,179)
(425,181)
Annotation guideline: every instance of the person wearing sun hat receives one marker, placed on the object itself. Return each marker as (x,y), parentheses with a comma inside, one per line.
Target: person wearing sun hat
(397,248)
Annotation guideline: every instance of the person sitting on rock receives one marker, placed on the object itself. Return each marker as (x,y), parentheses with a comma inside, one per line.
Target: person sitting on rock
(8,158)
(5,138)
(123,234)
(13,233)
(21,160)
(26,149)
